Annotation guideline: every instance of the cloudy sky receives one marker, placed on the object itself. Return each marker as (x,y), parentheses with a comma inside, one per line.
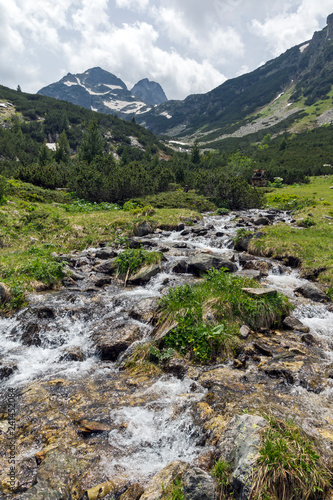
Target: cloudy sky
(188,46)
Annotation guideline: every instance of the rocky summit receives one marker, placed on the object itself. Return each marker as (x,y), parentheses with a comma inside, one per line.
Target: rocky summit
(99,90)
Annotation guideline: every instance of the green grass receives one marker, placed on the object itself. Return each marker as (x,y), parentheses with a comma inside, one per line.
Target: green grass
(129,261)
(221,471)
(289,465)
(311,240)
(220,296)
(179,199)
(36,222)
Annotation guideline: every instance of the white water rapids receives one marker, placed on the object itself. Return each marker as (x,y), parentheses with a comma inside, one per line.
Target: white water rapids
(147,436)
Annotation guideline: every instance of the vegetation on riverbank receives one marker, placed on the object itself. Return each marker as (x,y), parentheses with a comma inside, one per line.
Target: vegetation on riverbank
(36,223)
(208,315)
(289,466)
(310,238)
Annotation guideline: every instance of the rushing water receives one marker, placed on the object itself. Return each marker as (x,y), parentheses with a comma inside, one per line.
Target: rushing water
(148,435)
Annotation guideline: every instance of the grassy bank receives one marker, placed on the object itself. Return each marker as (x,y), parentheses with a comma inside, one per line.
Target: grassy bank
(310,238)
(35,223)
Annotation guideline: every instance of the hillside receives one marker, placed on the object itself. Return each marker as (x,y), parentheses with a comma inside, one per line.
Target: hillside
(99,90)
(42,119)
(292,91)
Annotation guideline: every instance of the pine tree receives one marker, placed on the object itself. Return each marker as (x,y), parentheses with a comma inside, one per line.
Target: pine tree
(195,153)
(62,149)
(92,144)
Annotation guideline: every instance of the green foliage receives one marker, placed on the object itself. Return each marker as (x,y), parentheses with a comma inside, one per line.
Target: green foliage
(222,211)
(289,201)
(62,153)
(132,259)
(44,269)
(85,206)
(306,222)
(174,491)
(3,186)
(221,294)
(289,465)
(92,144)
(221,471)
(160,356)
(203,342)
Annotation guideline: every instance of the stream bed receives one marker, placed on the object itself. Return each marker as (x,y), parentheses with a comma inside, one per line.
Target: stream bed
(84,417)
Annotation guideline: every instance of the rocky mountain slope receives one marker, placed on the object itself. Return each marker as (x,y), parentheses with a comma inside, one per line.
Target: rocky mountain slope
(294,88)
(99,90)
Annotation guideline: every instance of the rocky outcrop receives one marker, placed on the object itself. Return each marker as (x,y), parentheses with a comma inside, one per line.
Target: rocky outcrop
(143,228)
(199,485)
(164,480)
(292,323)
(116,339)
(144,274)
(239,446)
(312,292)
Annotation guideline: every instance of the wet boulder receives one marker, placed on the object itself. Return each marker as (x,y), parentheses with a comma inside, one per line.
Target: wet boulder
(144,309)
(262,221)
(30,335)
(243,242)
(164,480)
(134,492)
(113,341)
(239,446)
(201,262)
(106,267)
(312,292)
(143,228)
(144,274)
(7,369)
(181,267)
(199,485)
(72,354)
(105,253)
(292,323)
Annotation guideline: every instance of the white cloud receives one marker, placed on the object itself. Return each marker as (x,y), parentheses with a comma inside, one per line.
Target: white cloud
(133,4)
(186,45)
(292,26)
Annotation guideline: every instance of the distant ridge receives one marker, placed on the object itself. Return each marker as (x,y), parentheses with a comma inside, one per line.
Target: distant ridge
(99,90)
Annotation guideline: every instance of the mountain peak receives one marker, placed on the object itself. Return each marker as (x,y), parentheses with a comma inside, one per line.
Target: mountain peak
(149,92)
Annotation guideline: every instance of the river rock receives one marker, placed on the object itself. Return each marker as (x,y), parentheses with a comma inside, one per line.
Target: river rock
(260,292)
(243,242)
(262,221)
(163,480)
(144,309)
(312,292)
(144,274)
(107,267)
(239,445)
(4,294)
(249,273)
(199,485)
(181,267)
(143,228)
(292,323)
(201,262)
(7,369)
(115,340)
(105,253)
(244,331)
(55,476)
(30,335)
(134,492)
(72,354)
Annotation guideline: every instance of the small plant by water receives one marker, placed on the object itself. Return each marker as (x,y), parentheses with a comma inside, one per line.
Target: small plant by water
(174,491)
(221,471)
(289,466)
